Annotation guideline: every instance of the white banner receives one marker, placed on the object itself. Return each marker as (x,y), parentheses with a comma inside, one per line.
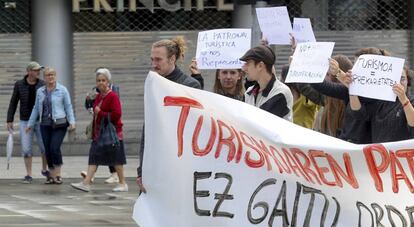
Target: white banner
(302,30)
(275,24)
(222,48)
(214,161)
(374,76)
(310,62)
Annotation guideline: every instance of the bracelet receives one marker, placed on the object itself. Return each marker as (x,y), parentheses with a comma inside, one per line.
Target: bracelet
(406,103)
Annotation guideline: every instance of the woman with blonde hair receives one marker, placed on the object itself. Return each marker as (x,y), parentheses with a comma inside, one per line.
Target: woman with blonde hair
(54,109)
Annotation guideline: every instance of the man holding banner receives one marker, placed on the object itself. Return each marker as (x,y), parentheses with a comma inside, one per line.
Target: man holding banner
(164,56)
(268,93)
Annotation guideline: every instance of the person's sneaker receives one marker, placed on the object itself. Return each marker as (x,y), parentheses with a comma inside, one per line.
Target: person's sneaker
(81,186)
(58,180)
(112,179)
(27,180)
(45,173)
(120,188)
(84,174)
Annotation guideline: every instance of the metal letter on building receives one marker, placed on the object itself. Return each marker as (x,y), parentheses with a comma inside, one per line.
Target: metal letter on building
(105,5)
(132,5)
(120,6)
(222,6)
(76,5)
(149,4)
(187,5)
(169,7)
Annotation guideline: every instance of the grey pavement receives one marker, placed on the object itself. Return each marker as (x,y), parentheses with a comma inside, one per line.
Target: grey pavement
(72,165)
(38,204)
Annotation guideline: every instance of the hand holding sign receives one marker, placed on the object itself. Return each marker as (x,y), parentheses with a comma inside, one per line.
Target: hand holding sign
(194,67)
(399,90)
(310,62)
(275,24)
(222,48)
(302,30)
(373,73)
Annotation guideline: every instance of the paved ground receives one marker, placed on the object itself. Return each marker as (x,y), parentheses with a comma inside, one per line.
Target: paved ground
(38,204)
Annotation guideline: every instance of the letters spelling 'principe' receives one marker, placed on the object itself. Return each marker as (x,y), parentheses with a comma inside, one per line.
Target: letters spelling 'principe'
(104,5)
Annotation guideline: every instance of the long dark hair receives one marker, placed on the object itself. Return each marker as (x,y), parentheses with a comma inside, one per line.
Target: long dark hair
(334,109)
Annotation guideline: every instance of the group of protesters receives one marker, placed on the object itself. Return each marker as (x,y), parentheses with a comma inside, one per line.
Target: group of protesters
(327,107)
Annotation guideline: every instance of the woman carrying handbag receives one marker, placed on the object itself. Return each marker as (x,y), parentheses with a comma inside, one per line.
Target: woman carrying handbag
(107,147)
(54,109)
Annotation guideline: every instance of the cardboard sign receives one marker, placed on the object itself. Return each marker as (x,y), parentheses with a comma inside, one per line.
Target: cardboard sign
(206,164)
(222,48)
(302,30)
(374,76)
(310,62)
(275,24)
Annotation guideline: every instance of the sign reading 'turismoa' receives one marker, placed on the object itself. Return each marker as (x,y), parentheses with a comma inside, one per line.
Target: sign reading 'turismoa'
(169,5)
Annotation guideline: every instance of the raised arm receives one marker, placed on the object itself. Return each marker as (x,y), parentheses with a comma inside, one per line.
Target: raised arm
(195,72)
(311,94)
(399,90)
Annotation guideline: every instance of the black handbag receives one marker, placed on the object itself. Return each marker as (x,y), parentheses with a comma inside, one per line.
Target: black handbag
(60,123)
(108,140)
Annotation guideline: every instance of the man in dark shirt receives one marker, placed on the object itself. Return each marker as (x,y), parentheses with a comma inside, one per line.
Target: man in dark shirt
(25,92)
(164,56)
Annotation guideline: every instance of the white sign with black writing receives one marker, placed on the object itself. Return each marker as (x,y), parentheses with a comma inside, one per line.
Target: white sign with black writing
(302,30)
(275,24)
(310,62)
(222,48)
(373,76)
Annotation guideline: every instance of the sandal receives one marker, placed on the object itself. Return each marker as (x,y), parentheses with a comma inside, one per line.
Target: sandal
(50,180)
(58,180)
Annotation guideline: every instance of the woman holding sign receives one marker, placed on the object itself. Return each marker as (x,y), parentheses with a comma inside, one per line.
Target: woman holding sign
(354,130)
(390,121)
(329,119)
(228,82)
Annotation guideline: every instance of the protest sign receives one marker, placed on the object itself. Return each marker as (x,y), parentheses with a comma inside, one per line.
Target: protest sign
(275,24)
(310,62)
(302,30)
(214,161)
(222,48)
(374,75)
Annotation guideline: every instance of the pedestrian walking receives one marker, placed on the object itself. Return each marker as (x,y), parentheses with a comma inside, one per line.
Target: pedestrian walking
(24,92)
(53,109)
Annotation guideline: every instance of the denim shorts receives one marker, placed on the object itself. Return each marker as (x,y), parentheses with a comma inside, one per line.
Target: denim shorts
(27,138)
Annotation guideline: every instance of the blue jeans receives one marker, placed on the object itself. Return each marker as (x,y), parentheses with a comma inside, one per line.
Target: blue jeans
(53,139)
(27,138)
